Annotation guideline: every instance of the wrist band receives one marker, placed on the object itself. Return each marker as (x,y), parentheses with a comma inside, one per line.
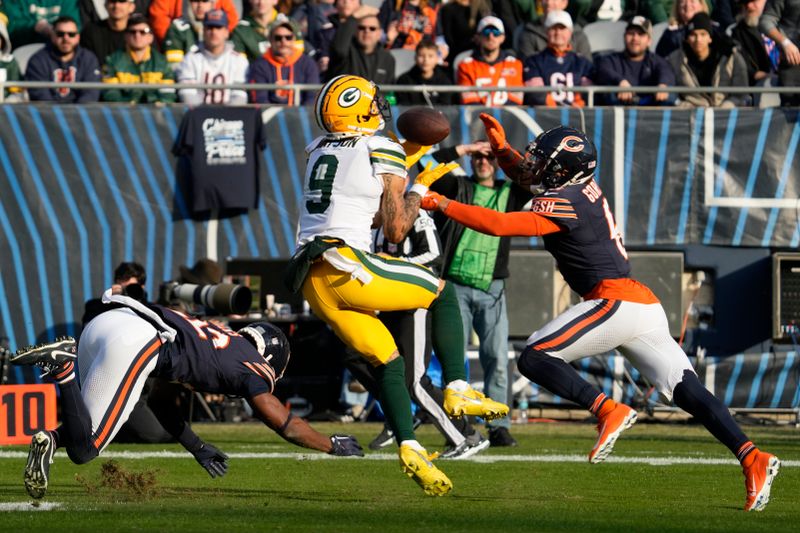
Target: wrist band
(285,424)
(419,189)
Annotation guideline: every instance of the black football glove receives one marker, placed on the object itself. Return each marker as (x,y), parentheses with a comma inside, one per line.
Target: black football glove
(213,460)
(345,445)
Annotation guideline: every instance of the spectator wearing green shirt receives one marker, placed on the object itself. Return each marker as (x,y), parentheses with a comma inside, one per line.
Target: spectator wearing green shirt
(251,36)
(30,21)
(140,62)
(184,33)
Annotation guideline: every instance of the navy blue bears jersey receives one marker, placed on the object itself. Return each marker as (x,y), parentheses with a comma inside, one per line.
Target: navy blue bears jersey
(211,358)
(590,248)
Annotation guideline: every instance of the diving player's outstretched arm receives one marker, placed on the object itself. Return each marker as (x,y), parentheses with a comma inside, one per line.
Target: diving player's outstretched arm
(509,159)
(514,224)
(272,412)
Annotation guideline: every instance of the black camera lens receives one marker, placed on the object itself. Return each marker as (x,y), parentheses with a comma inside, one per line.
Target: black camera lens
(135,291)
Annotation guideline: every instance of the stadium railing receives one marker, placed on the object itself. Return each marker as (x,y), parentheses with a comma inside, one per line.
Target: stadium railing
(590,91)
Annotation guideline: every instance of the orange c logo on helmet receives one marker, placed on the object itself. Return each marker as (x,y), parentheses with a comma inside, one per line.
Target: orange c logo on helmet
(572,143)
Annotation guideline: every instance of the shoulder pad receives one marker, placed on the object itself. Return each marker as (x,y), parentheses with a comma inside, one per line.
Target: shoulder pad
(385,143)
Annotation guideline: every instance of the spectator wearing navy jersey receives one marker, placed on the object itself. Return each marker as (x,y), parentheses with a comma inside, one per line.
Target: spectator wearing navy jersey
(426,71)
(283,63)
(781,23)
(557,66)
(704,62)
(63,59)
(531,37)
(636,66)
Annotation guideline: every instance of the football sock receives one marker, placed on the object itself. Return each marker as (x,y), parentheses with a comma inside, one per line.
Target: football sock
(458,385)
(76,429)
(557,376)
(602,405)
(65,373)
(691,396)
(745,454)
(447,334)
(395,401)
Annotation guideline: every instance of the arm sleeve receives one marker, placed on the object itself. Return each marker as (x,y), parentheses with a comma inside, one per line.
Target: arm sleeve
(738,79)
(606,73)
(425,244)
(91,72)
(238,75)
(387,157)
(37,71)
(466,76)
(664,72)
(161,14)
(773,11)
(519,223)
(344,39)
(110,77)
(230,9)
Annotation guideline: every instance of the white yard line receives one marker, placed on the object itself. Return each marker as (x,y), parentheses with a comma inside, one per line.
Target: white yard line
(550,458)
(29,506)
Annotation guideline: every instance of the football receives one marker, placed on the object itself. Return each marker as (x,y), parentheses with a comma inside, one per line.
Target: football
(423,125)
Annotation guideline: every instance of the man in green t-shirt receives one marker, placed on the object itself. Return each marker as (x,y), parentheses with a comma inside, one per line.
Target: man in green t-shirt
(477,266)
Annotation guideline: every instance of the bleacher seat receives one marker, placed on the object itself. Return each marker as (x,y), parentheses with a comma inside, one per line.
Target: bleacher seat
(403,60)
(24,53)
(658,31)
(606,36)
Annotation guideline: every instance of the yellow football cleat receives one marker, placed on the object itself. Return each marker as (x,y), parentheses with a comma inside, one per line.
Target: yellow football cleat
(418,466)
(473,403)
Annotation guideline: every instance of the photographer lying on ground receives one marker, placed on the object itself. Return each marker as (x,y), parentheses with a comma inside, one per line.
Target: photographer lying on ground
(121,347)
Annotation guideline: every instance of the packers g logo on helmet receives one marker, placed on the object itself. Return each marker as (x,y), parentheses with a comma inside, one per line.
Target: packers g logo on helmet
(351,105)
(349,97)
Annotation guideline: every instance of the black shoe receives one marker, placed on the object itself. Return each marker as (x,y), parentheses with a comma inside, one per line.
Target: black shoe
(500,436)
(386,436)
(471,445)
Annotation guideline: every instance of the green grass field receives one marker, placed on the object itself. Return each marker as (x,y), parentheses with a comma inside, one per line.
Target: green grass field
(541,485)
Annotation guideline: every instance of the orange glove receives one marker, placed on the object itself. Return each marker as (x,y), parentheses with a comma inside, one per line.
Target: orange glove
(494,132)
(432,200)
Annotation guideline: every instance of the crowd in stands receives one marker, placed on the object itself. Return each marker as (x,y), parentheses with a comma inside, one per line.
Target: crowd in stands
(478,43)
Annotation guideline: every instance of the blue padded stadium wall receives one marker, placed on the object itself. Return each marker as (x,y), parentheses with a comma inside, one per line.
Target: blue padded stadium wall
(85,187)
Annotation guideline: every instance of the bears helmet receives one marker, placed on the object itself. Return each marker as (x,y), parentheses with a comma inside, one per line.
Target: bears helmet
(560,156)
(271,344)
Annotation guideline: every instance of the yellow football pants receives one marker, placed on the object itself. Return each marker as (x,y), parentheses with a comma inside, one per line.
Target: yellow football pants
(346,287)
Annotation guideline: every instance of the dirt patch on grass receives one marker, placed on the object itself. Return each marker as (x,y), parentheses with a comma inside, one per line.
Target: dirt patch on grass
(115,482)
